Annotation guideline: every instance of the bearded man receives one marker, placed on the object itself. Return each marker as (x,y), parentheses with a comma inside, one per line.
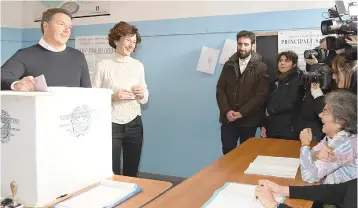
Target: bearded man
(241,93)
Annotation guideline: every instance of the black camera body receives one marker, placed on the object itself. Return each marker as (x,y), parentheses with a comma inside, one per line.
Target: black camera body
(320,74)
(318,52)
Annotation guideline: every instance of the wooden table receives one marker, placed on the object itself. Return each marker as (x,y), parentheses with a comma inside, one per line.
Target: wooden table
(199,188)
(151,190)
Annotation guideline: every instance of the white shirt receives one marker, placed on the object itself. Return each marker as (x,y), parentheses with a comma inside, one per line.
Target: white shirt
(42,43)
(243,63)
(121,72)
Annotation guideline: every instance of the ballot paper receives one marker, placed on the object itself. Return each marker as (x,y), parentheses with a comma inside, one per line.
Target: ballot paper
(236,195)
(41,85)
(274,166)
(107,194)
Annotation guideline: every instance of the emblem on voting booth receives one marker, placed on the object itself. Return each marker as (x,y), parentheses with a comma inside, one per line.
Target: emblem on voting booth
(6,126)
(78,122)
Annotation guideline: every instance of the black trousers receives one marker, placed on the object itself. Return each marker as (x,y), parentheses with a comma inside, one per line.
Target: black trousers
(230,134)
(129,138)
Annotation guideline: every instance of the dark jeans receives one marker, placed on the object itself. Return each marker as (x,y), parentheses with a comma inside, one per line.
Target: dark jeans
(128,137)
(230,134)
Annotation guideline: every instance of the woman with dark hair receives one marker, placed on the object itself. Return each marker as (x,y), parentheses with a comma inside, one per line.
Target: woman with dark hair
(282,101)
(125,77)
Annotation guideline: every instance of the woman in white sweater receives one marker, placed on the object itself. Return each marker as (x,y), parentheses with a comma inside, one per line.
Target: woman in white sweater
(125,76)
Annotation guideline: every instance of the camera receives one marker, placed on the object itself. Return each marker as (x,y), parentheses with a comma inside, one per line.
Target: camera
(350,49)
(343,29)
(318,52)
(320,74)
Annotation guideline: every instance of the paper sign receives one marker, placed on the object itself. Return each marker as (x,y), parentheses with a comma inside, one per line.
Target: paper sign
(208,59)
(230,47)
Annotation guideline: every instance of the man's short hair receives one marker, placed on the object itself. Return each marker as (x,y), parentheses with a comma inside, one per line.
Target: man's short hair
(246,34)
(48,14)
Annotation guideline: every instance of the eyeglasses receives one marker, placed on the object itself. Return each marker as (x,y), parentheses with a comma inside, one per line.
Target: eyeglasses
(325,112)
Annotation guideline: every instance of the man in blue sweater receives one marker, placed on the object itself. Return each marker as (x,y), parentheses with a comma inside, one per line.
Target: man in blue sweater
(61,65)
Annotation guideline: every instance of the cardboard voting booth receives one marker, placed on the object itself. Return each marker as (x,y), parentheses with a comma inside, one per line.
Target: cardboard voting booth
(54,143)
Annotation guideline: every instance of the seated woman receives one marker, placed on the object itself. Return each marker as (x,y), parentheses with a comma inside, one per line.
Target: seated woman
(282,99)
(339,118)
(344,194)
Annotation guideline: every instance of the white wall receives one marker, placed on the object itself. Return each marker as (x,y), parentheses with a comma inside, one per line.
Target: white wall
(157,10)
(12,14)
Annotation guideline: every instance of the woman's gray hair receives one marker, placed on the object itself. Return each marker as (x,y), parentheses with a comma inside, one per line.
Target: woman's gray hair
(344,109)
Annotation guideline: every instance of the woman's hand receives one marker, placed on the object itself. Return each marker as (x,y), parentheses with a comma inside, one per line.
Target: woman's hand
(138,91)
(263,132)
(326,154)
(123,95)
(264,194)
(275,188)
(306,137)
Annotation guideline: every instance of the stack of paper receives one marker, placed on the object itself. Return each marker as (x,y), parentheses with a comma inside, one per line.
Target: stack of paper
(274,166)
(236,195)
(105,195)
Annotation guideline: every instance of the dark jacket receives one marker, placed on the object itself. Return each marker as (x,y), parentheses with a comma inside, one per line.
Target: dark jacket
(309,110)
(282,106)
(245,93)
(344,194)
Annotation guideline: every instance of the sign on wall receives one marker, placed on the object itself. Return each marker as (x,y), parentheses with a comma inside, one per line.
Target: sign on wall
(298,41)
(78,8)
(95,49)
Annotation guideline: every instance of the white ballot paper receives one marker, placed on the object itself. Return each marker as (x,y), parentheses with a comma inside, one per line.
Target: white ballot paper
(274,166)
(233,195)
(41,85)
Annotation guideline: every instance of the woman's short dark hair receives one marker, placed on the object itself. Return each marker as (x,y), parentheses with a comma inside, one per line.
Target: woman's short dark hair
(344,109)
(122,29)
(290,55)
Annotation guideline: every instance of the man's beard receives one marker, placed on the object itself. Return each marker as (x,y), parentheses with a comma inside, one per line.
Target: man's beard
(243,55)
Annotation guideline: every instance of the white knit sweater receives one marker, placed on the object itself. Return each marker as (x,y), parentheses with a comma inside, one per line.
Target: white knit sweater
(121,72)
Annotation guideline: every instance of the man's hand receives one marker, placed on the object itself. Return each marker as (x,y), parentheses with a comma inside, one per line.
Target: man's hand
(312,60)
(26,84)
(231,115)
(306,136)
(138,91)
(238,115)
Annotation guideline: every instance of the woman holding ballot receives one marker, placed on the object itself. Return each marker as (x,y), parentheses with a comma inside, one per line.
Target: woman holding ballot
(125,76)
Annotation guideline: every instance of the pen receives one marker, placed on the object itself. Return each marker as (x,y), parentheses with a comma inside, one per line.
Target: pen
(59,199)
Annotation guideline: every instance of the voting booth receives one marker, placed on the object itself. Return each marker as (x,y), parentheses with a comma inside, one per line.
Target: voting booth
(54,143)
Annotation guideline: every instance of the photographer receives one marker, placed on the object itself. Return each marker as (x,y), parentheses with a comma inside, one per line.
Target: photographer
(345,77)
(325,55)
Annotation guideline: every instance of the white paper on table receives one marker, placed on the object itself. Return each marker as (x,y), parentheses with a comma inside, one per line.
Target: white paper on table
(274,166)
(230,47)
(208,59)
(234,195)
(41,85)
